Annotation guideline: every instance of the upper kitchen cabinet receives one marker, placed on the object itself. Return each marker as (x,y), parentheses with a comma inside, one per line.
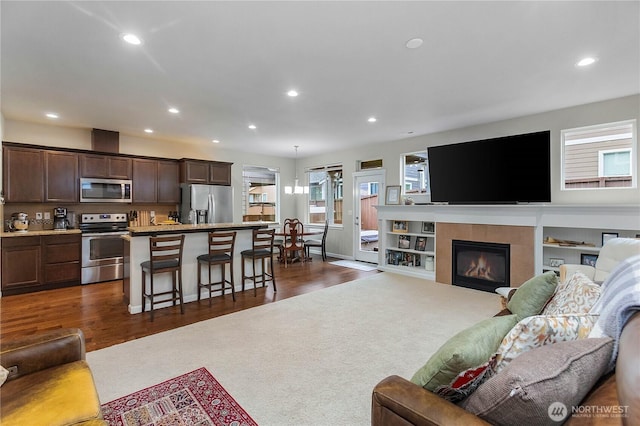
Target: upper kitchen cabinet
(145,181)
(205,172)
(105,166)
(23,175)
(168,182)
(155,181)
(220,173)
(61,177)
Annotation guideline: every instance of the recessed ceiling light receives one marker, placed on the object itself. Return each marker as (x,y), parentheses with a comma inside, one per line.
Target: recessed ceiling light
(174,110)
(414,43)
(131,39)
(215,141)
(148,130)
(252,126)
(372,119)
(292,93)
(586,61)
(52,115)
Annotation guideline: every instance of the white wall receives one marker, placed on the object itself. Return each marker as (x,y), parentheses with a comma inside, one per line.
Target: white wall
(340,240)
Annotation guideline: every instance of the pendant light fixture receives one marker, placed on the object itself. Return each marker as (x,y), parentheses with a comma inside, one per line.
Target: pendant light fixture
(296,188)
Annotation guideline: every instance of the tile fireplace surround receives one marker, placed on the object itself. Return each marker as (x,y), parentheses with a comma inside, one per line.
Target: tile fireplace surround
(523,227)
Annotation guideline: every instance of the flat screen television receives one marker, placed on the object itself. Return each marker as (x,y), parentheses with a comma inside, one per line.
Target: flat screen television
(505,170)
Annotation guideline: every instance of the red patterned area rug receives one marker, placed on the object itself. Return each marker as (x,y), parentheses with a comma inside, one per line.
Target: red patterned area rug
(195,398)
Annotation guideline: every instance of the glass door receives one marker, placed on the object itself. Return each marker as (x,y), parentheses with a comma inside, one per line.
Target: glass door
(367,194)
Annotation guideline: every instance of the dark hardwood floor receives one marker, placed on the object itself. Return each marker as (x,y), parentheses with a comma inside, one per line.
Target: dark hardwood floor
(99,309)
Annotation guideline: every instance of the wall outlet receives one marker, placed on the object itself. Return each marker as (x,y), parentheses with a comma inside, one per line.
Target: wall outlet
(39,216)
(47,215)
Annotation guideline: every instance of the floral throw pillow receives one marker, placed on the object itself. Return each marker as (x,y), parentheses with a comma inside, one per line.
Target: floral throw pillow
(577,295)
(540,330)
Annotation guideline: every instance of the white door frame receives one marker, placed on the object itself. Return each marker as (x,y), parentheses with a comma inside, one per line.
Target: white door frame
(376,175)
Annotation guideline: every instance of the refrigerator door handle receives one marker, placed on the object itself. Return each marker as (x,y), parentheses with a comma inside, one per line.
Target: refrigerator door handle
(211,208)
(192,189)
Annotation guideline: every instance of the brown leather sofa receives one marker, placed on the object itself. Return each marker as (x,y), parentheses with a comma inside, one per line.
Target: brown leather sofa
(396,401)
(50,382)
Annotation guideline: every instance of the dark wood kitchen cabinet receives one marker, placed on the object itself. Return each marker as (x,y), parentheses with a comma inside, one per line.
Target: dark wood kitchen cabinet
(168,182)
(21,264)
(61,254)
(105,166)
(145,181)
(61,177)
(34,175)
(156,181)
(23,174)
(205,172)
(34,263)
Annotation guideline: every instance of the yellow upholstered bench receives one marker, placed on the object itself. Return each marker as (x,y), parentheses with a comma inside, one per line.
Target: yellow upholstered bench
(50,382)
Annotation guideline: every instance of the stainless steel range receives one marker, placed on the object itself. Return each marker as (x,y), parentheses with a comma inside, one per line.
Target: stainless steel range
(102,246)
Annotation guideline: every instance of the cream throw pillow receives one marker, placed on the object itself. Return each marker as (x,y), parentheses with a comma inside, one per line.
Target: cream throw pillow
(577,295)
(4,373)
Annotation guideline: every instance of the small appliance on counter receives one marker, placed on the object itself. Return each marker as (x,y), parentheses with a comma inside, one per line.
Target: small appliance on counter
(60,221)
(19,222)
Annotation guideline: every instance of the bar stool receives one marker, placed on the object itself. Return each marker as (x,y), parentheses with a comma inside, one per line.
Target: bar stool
(165,255)
(261,249)
(221,245)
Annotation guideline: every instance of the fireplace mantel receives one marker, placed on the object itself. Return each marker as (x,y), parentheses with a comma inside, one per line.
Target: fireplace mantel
(525,228)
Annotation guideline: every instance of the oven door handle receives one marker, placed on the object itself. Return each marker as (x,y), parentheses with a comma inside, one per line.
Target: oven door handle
(105,234)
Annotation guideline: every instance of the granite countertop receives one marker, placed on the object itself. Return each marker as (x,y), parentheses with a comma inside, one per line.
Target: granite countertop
(136,231)
(4,234)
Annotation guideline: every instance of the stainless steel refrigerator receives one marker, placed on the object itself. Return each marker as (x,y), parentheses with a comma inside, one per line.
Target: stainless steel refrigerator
(206,203)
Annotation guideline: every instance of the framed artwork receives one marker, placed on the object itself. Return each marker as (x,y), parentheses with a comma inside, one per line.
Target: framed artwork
(401,226)
(393,194)
(588,259)
(428,227)
(404,241)
(555,262)
(421,243)
(606,236)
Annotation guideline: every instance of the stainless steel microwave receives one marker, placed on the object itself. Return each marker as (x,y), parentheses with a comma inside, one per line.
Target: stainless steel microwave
(105,190)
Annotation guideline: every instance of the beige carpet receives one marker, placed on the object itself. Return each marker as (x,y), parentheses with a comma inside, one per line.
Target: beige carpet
(308,360)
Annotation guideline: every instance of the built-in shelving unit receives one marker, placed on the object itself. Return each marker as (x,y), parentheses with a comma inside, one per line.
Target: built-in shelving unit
(410,247)
(577,223)
(583,244)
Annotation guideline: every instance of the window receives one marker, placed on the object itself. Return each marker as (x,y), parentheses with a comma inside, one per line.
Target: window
(325,194)
(600,156)
(416,173)
(260,194)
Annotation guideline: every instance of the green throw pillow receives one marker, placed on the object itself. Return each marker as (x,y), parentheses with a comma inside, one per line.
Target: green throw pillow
(531,297)
(469,348)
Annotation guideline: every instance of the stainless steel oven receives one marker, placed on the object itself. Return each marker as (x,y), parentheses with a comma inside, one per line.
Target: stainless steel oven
(102,246)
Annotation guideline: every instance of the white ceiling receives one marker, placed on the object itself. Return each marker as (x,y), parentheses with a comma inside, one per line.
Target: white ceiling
(226,65)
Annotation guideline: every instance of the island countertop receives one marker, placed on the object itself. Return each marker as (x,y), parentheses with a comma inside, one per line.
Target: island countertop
(142,231)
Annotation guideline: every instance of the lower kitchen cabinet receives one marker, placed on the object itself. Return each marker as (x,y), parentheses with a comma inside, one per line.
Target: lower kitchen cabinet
(34,263)
(21,264)
(61,254)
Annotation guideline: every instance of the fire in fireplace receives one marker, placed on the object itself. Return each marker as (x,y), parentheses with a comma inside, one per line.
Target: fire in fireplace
(480,265)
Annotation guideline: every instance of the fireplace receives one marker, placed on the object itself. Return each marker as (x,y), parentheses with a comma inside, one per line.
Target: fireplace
(480,265)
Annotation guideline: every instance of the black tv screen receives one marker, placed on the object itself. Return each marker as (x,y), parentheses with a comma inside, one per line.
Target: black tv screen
(505,170)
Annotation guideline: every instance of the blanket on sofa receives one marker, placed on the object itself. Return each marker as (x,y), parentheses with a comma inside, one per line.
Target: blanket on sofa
(619,300)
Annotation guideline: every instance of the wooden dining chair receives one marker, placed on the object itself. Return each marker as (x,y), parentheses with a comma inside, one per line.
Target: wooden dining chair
(322,243)
(293,242)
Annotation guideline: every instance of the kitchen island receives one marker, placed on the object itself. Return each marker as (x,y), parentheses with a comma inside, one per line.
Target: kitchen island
(195,243)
